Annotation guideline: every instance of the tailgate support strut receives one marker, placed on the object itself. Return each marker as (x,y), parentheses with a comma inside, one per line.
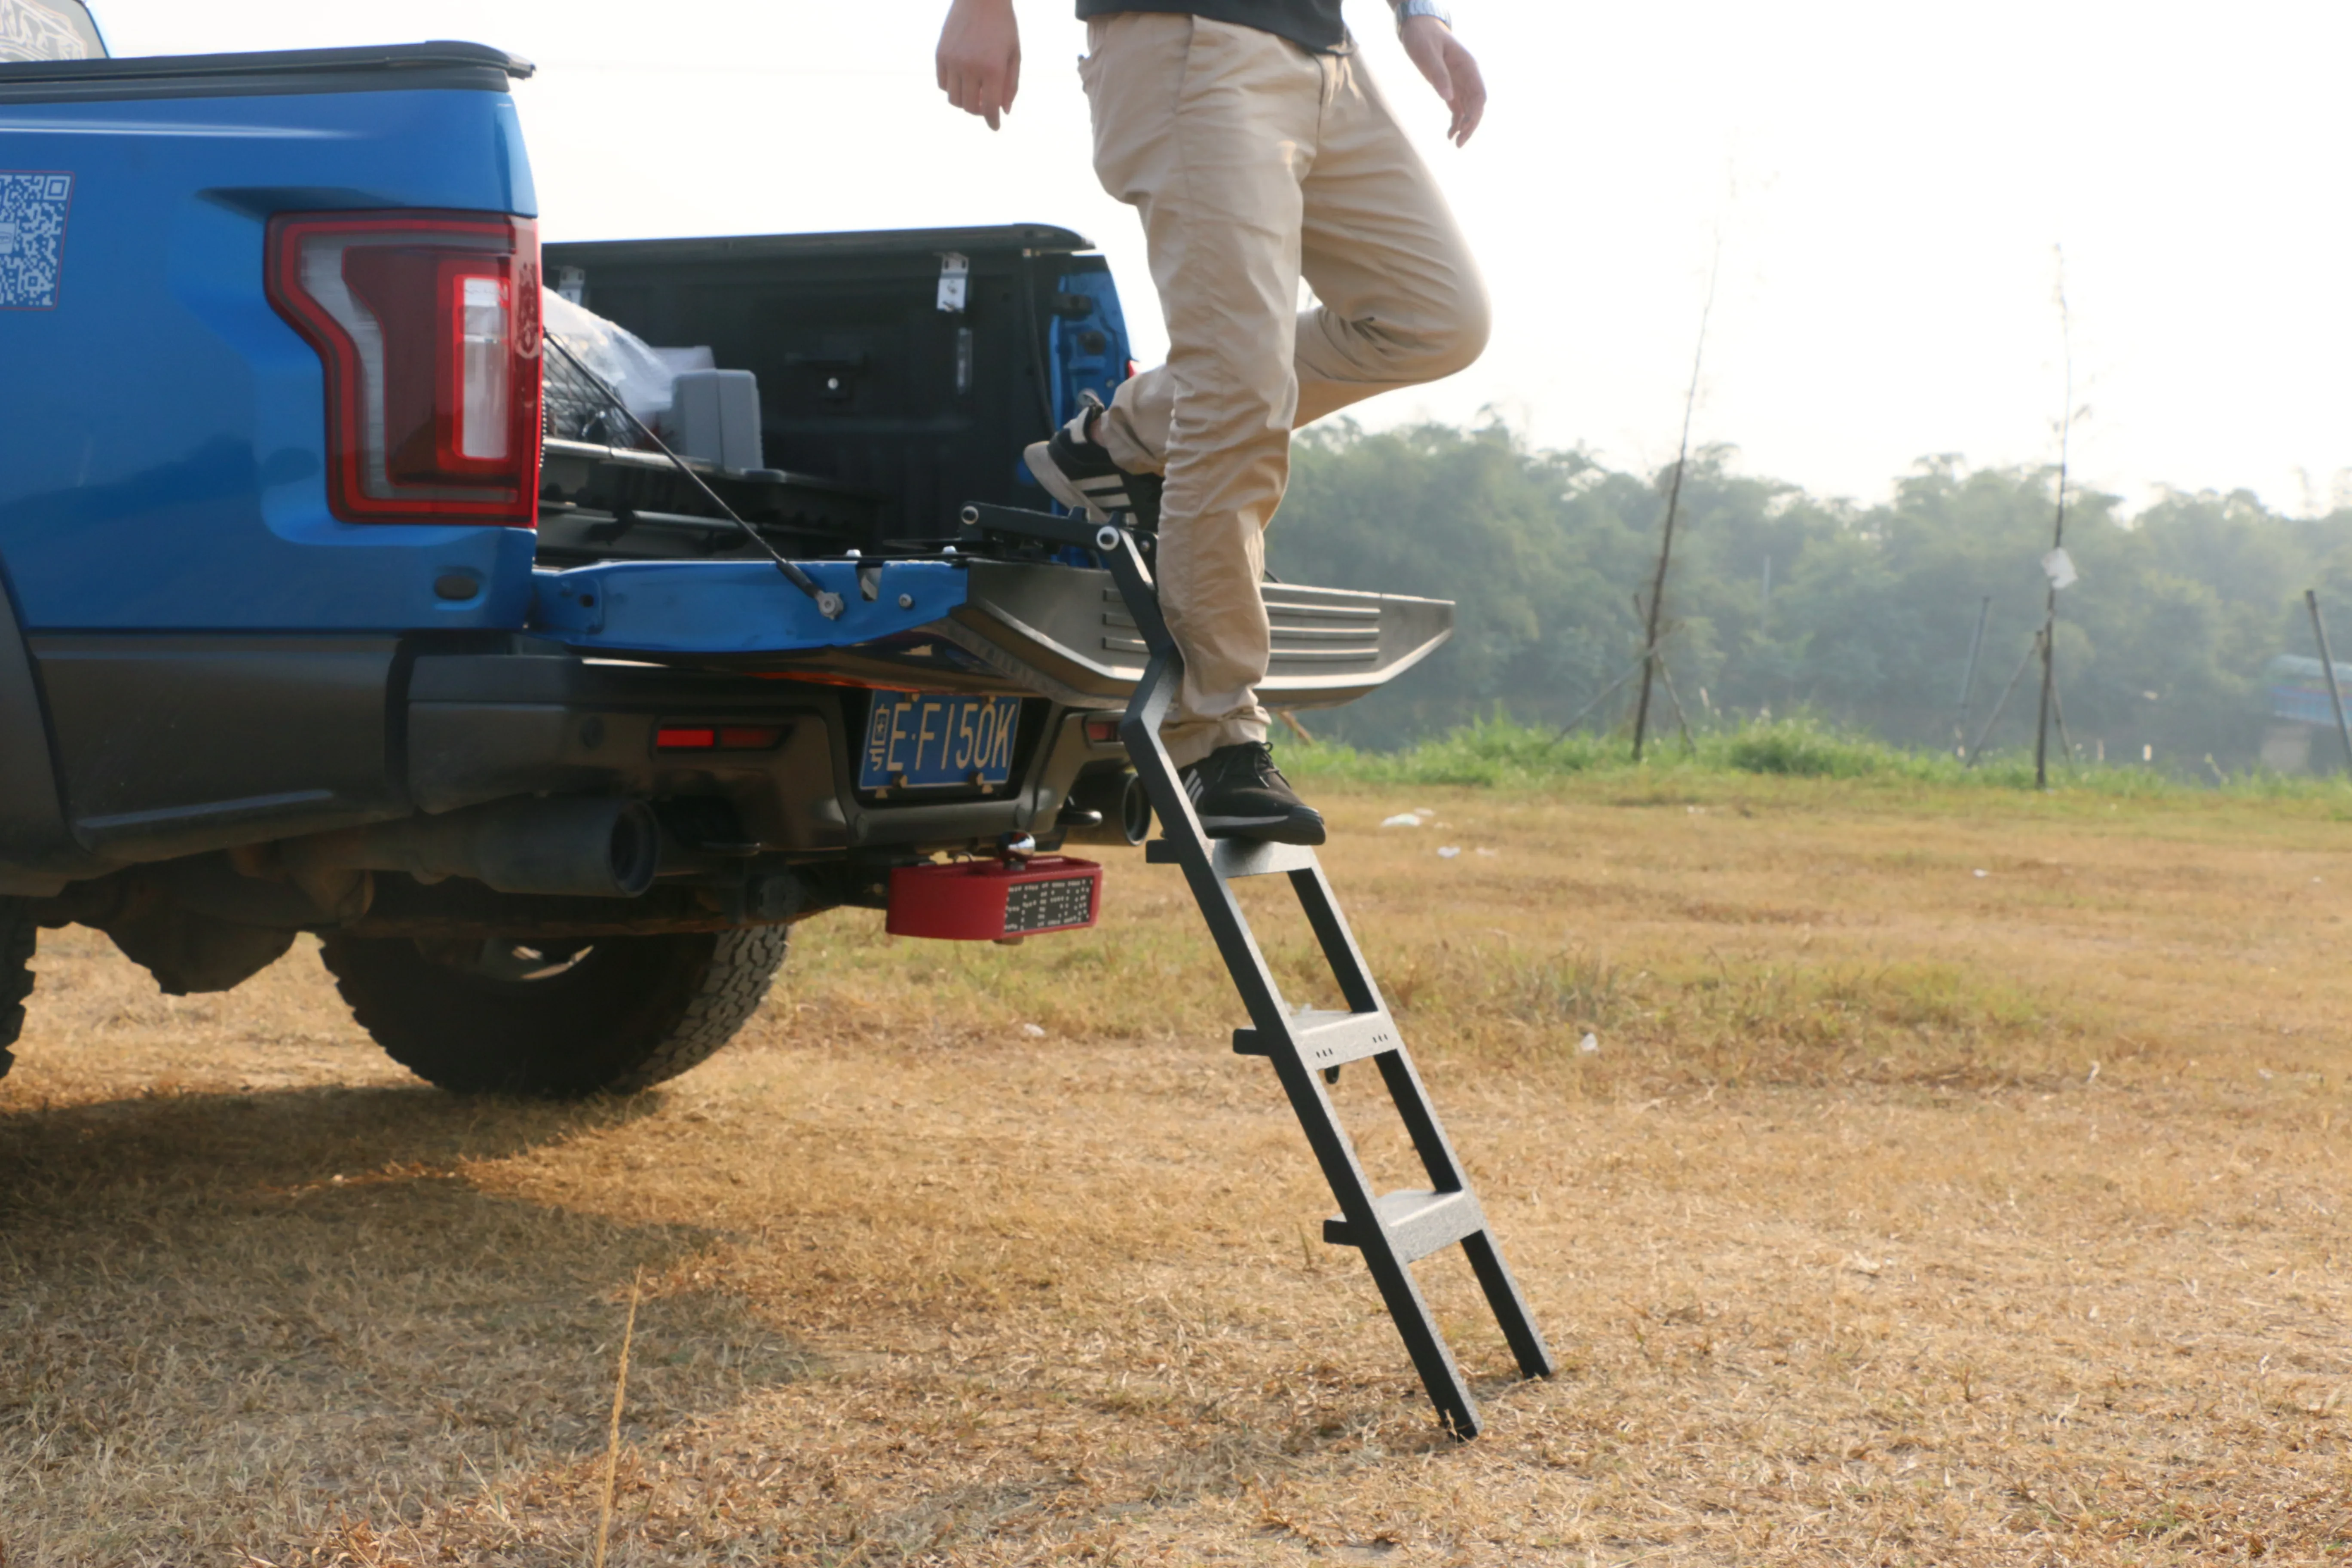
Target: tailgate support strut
(1392,1230)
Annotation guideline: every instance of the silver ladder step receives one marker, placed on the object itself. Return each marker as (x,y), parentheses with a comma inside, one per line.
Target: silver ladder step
(1417,1223)
(1328,1040)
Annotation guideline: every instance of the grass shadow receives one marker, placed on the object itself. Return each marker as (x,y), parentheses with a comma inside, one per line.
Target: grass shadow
(223,1306)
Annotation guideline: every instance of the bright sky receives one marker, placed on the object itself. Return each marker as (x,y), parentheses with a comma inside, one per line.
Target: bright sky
(1887,186)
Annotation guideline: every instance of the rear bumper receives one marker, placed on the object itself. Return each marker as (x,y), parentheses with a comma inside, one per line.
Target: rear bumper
(484,727)
(175,744)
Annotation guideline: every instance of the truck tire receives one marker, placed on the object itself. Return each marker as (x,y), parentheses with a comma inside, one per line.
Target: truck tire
(17,935)
(555,1020)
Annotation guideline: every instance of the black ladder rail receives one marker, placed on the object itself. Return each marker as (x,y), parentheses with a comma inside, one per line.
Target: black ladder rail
(1392,1230)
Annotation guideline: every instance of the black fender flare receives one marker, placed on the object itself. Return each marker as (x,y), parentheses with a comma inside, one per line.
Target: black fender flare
(37,851)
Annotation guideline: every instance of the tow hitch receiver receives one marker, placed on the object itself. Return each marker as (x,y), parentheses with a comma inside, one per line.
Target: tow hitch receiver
(994,901)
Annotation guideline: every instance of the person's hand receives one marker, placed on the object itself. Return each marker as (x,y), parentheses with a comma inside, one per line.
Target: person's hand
(1448,67)
(980,58)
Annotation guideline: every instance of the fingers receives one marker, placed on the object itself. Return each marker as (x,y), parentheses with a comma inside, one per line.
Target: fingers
(962,93)
(1469,100)
(1451,71)
(979,58)
(982,92)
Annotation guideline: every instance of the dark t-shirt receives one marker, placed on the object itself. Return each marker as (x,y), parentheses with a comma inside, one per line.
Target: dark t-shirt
(1310,24)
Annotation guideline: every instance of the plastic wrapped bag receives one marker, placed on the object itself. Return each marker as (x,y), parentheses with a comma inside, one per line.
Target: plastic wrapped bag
(48,30)
(642,374)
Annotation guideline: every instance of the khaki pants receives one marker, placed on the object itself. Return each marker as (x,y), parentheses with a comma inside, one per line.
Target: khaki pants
(1253,162)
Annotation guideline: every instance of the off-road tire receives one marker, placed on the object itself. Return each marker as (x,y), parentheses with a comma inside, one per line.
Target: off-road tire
(18,936)
(630,1012)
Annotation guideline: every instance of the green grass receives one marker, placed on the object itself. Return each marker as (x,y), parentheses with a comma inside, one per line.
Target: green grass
(1499,752)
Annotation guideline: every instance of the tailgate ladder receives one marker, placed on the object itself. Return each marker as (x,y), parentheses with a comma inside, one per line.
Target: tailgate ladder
(1307,1049)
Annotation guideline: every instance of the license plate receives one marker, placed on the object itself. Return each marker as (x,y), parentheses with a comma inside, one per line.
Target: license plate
(918,740)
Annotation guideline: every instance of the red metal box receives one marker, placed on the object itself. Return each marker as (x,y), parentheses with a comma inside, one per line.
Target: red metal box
(989,901)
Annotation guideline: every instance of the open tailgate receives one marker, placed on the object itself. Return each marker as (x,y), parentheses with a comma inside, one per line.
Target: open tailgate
(970,624)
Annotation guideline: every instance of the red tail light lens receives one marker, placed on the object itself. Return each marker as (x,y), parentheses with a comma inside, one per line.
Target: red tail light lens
(428,325)
(717,737)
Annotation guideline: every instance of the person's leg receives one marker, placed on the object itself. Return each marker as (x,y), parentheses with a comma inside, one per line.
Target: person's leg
(1399,297)
(1134,428)
(1399,300)
(1206,129)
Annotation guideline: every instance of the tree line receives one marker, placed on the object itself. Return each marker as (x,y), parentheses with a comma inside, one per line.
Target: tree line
(1781,602)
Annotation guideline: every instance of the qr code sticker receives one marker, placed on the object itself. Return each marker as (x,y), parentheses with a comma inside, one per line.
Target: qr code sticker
(32,238)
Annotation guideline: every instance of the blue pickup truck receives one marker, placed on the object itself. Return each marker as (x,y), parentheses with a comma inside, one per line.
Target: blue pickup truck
(336,597)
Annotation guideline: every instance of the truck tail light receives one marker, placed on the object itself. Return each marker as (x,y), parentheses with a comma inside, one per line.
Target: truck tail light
(427,323)
(717,737)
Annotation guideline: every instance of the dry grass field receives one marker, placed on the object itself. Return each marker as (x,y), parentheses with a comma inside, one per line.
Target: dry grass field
(1959,1178)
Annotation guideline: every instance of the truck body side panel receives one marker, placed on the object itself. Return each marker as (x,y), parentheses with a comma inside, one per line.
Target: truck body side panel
(163,425)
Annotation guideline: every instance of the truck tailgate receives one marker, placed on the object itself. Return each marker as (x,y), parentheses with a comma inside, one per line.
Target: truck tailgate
(974,625)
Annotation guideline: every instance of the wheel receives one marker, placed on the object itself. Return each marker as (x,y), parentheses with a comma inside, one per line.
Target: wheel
(555,1019)
(17,935)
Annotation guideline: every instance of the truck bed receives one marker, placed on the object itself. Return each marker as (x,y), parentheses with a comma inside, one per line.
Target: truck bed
(888,403)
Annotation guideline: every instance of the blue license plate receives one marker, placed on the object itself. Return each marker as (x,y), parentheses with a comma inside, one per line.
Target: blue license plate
(934,741)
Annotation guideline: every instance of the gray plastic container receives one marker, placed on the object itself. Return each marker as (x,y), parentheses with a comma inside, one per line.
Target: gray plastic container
(714,414)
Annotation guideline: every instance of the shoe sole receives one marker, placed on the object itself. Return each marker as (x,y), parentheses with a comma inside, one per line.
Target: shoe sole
(1039,455)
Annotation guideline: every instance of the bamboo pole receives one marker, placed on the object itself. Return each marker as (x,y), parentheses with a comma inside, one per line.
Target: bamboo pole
(1673,505)
(1968,681)
(2057,543)
(1994,718)
(1682,719)
(2328,664)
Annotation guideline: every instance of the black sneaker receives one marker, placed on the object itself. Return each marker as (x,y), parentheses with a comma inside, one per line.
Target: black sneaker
(1238,793)
(1078,473)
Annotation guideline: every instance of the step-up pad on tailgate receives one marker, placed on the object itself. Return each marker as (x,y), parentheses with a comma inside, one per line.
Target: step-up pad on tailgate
(1075,641)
